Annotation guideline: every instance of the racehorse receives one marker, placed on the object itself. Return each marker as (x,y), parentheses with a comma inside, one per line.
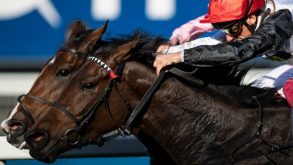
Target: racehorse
(79,42)
(115,90)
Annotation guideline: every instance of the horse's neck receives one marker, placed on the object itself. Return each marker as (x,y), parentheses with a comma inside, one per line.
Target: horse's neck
(136,80)
(186,120)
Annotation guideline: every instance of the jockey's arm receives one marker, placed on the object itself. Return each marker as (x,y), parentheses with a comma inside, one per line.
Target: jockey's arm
(271,35)
(190,31)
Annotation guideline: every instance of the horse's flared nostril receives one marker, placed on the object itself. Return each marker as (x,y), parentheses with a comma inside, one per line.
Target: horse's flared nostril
(37,139)
(15,128)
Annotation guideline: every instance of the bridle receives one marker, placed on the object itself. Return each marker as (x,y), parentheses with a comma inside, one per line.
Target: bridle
(74,136)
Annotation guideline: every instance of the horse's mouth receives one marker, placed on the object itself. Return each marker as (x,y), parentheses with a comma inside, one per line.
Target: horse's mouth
(47,156)
(17,142)
(49,153)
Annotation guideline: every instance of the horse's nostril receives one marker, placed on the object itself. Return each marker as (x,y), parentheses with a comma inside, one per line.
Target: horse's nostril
(37,139)
(15,128)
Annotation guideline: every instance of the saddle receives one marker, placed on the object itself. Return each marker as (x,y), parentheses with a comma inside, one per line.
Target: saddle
(186,74)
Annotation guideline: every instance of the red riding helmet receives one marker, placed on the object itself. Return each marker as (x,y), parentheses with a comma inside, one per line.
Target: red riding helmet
(231,10)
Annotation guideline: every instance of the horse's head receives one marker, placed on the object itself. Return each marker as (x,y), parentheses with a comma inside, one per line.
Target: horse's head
(67,122)
(54,76)
(61,105)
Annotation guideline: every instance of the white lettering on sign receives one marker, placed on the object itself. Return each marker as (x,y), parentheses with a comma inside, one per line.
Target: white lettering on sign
(100,10)
(160,9)
(106,9)
(11,9)
(154,10)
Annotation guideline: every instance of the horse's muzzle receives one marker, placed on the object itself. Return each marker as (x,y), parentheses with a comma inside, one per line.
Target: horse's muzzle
(15,128)
(15,131)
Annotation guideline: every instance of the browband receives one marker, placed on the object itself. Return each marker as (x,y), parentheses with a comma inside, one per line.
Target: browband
(113,75)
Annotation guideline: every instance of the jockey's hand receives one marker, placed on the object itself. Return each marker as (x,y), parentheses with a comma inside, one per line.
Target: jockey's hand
(164,60)
(163,49)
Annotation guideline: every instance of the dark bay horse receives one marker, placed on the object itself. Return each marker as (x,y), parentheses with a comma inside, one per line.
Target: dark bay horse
(79,43)
(180,124)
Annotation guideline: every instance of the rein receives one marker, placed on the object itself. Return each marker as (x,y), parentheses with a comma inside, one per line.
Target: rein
(145,99)
(150,92)
(123,131)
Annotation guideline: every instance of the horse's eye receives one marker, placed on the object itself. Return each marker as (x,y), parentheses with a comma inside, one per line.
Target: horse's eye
(88,86)
(62,73)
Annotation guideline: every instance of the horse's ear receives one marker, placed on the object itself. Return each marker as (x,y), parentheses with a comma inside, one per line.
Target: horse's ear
(123,51)
(89,42)
(74,30)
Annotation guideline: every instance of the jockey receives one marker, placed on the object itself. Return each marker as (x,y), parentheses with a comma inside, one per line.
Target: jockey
(194,28)
(248,29)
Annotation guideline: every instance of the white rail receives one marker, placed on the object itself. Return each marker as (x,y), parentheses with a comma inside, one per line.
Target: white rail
(7,151)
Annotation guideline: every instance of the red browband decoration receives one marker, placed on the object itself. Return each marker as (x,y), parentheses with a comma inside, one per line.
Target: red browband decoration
(112,74)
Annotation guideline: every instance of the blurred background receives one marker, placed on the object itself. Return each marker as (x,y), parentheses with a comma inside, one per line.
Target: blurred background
(32,30)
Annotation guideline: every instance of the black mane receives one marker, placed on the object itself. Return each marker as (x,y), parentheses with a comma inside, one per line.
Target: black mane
(144,50)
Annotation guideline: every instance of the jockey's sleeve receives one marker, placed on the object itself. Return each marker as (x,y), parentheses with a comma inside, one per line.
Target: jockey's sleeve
(191,30)
(271,35)
(214,39)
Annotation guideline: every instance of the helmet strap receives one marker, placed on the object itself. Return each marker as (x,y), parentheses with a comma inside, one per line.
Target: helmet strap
(252,27)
